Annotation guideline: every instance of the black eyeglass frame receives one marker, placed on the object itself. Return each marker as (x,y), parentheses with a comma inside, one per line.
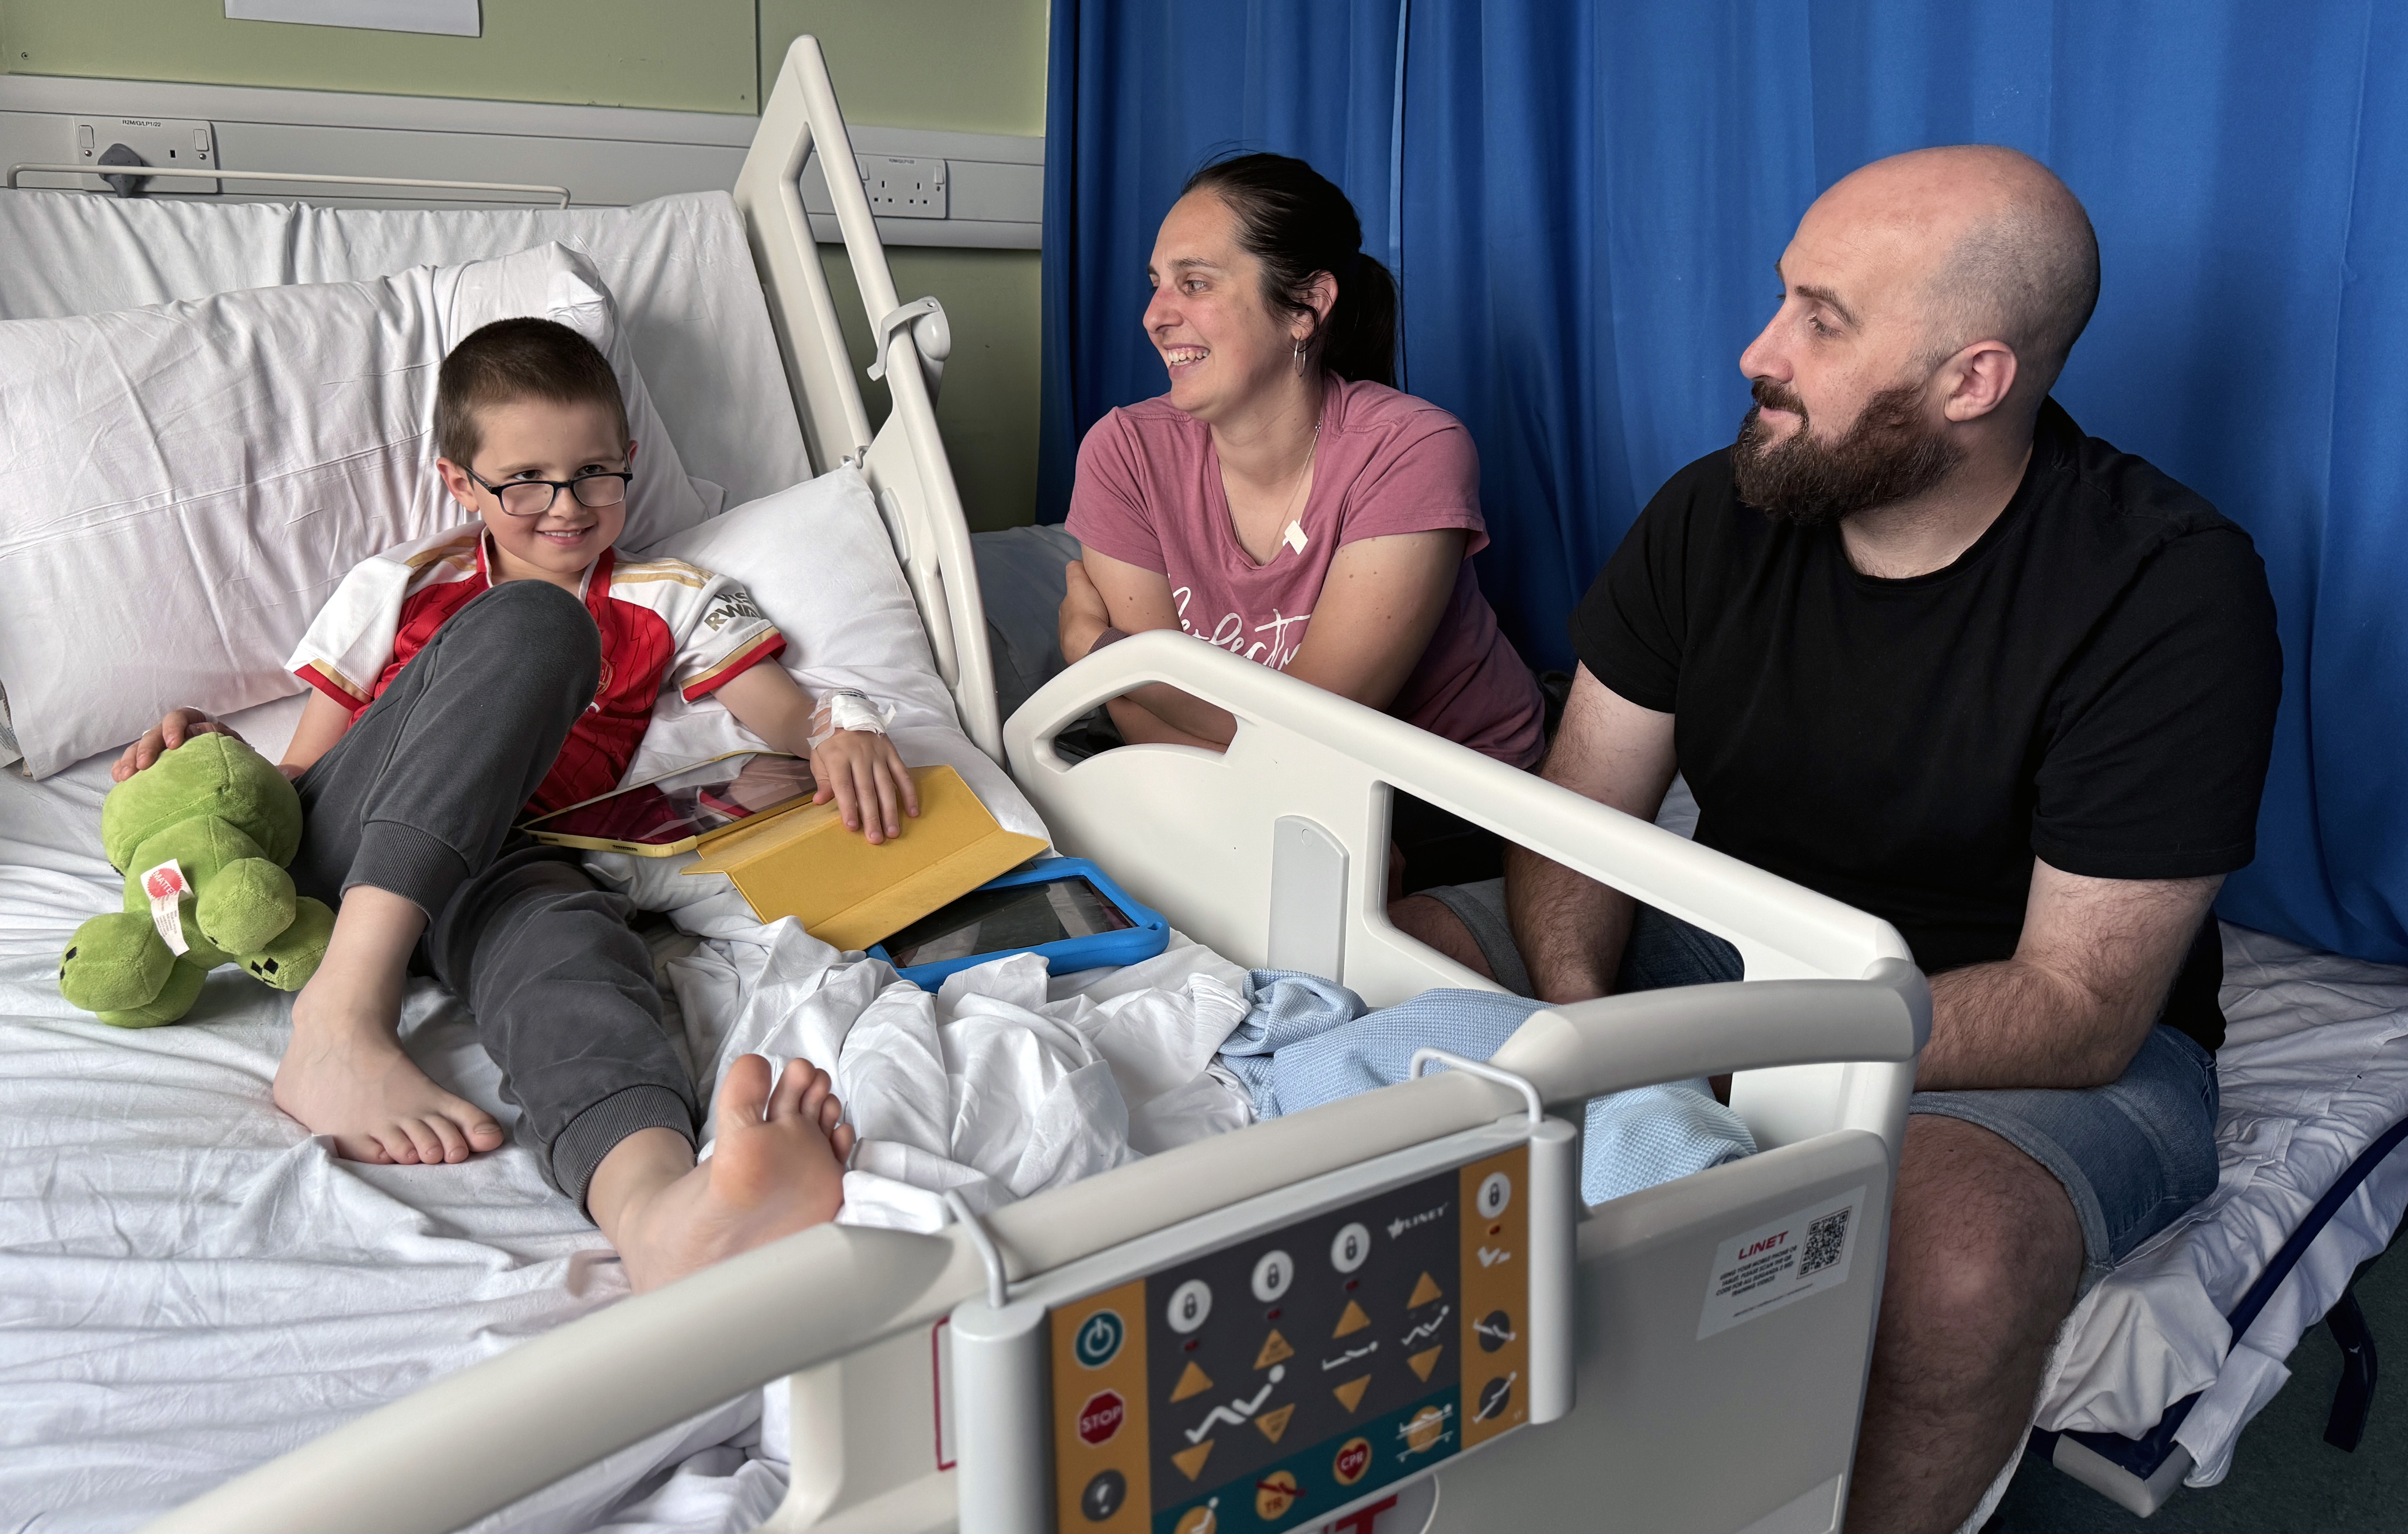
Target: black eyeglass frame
(627,479)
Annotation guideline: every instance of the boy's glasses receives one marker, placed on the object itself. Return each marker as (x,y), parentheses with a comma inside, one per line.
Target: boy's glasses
(533,497)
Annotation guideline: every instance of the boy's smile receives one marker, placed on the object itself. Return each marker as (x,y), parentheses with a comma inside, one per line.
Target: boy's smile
(542,439)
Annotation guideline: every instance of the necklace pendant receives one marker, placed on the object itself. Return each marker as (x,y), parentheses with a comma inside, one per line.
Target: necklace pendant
(1294,537)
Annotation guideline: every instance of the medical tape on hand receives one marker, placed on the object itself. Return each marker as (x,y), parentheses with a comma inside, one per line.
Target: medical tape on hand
(848,709)
(168,889)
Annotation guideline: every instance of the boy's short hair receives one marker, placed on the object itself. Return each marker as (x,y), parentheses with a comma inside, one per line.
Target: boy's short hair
(512,360)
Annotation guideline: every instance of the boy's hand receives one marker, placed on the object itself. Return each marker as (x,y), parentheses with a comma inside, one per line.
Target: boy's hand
(861,772)
(179,725)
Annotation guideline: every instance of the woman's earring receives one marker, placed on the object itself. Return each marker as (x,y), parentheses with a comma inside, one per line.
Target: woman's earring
(1299,359)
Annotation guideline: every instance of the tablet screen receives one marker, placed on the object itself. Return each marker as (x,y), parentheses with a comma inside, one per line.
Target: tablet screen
(1008,920)
(688,802)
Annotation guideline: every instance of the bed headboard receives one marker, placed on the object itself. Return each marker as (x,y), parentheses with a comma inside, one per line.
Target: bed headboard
(905,459)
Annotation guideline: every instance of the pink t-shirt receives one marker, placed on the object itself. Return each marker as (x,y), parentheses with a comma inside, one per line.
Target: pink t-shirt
(1149,493)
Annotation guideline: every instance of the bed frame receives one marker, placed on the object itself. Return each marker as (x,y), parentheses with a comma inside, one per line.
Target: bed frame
(1274,852)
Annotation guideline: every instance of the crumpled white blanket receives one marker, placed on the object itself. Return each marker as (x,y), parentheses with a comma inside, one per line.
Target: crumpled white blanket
(1005,1083)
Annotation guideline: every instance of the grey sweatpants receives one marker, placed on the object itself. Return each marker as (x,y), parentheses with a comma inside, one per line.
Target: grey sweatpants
(418,798)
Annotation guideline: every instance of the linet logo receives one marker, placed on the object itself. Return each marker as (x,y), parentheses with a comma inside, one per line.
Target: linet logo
(1102,1416)
(1757,1248)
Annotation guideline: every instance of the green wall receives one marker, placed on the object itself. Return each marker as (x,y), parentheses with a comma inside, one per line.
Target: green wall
(694,55)
(963,65)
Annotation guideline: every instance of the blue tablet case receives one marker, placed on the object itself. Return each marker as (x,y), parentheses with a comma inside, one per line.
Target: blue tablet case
(1150,936)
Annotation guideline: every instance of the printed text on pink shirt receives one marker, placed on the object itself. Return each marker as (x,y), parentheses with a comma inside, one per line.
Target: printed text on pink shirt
(1231,632)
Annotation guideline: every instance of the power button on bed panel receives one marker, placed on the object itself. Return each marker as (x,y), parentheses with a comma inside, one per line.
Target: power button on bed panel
(1099,1406)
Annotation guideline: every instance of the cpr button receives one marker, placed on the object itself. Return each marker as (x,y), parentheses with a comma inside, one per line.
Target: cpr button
(1353,1458)
(1101,1417)
(1104,1496)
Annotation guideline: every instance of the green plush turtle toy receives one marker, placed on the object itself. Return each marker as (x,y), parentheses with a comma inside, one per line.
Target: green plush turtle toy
(203,836)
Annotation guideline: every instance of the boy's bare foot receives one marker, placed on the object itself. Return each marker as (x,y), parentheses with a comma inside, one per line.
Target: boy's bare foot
(776,1167)
(345,1075)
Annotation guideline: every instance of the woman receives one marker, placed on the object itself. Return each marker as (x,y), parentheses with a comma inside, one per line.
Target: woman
(1283,501)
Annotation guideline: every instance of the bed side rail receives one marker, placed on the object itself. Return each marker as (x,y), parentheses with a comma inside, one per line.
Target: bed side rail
(1275,853)
(509,1426)
(1574,1053)
(1177,817)
(905,463)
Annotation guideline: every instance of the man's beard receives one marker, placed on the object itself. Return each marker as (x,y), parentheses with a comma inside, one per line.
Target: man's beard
(1891,454)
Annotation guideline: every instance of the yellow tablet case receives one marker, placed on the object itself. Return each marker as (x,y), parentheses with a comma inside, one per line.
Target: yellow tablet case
(849,894)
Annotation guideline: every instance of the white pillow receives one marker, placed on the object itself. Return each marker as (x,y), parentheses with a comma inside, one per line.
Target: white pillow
(182,485)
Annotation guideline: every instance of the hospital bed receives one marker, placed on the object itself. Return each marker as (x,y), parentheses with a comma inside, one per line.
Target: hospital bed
(1654,1333)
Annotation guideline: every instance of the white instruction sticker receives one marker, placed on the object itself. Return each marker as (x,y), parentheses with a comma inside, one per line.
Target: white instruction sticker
(168,890)
(1760,1270)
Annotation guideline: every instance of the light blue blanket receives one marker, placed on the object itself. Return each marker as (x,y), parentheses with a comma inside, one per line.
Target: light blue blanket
(1309,1041)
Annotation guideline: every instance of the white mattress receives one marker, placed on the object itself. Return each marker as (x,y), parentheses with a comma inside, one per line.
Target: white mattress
(679,267)
(2314,1067)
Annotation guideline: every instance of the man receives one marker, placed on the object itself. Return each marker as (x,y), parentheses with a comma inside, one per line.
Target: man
(1917,642)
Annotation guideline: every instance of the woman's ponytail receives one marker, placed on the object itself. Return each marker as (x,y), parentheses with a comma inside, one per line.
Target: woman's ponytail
(1298,223)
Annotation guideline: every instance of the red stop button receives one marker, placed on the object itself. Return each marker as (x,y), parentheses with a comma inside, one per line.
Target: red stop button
(1102,1416)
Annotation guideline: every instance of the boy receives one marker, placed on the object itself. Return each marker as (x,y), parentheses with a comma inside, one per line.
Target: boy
(507,668)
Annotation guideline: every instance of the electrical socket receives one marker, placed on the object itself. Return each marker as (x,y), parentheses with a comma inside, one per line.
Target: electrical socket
(184,143)
(903,187)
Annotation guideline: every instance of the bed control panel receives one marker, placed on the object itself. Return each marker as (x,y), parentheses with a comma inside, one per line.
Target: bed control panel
(1267,1386)
(1286,1361)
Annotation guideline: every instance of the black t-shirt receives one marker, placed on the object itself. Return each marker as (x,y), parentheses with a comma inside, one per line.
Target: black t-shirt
(2092,683)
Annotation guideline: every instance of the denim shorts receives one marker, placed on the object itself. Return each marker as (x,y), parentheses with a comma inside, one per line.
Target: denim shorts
(2133,1154)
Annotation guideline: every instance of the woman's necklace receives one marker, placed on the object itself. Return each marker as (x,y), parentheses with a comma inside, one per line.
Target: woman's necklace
(1291,534)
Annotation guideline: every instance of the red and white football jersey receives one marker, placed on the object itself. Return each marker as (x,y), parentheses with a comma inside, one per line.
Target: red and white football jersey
(662,622)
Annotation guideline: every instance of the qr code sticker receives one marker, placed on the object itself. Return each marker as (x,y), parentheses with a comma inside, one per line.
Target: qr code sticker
(1826,1240)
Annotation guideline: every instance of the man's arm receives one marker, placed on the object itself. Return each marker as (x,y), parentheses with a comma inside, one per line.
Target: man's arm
(1570,928)
(2087,980)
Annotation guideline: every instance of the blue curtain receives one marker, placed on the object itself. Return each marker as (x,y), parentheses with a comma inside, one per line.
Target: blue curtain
(1139,96)
(1591,198)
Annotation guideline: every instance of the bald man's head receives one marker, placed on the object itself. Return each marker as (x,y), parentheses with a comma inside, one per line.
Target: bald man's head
(2006,249)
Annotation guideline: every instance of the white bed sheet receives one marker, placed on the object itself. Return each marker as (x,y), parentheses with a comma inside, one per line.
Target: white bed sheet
(679,267)
(191,1284)
(2314,1067)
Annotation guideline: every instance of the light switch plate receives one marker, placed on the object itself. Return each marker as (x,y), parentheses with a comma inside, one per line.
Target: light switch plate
(183,143)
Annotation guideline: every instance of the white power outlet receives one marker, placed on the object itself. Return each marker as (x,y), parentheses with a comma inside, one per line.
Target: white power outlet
(903,187)
(178,143)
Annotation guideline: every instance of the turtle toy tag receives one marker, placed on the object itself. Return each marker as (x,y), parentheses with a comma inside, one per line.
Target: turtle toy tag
(168,890)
